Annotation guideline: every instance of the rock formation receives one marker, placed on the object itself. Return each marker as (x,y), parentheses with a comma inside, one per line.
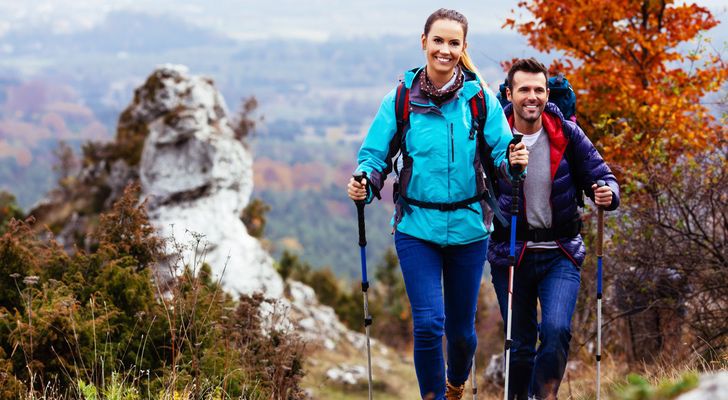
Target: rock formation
(198,178)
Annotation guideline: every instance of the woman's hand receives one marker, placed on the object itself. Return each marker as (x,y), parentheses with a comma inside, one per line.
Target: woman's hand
(518,155)
(357,191)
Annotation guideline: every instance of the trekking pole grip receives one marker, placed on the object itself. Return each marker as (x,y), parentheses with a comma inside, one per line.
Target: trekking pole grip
(359,176)
(517,137)
(600,223)
(516,169)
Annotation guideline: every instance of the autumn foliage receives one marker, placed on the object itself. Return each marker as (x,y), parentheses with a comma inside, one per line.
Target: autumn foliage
(639,91)
(642,71)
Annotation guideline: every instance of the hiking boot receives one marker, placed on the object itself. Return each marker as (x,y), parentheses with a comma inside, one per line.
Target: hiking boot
(453,392)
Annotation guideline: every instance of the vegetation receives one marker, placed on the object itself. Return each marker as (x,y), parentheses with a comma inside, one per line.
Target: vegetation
(640,99)
(639,91)
(99,323)
(320,226)
(254,217)
(94,322)
(245,121)
(9,210)
(388,302)
(639,388)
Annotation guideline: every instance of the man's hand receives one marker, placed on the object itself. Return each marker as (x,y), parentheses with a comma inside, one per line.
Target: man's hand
(518,155)
(602,195)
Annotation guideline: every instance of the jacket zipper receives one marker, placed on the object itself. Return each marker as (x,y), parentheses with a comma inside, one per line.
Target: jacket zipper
(452,143)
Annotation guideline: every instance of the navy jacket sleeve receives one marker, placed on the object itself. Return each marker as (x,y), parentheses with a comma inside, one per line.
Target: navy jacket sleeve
(591,165)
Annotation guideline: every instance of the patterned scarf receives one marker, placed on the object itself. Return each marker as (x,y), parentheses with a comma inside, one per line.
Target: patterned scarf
(437,95)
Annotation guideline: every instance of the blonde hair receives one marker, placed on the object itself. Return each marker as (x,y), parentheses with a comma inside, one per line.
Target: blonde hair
(467,63)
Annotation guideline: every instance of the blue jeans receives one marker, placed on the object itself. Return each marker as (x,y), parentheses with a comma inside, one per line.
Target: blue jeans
(442,286)
(552,279)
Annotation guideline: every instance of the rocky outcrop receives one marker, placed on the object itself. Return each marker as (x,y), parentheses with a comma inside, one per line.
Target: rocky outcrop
(320,324)
(197,179)
(176,140)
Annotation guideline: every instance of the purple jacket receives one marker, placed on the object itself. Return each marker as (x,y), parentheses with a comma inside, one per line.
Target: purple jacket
(589,167)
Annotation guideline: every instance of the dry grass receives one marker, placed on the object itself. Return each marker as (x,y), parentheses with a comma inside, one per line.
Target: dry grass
(393,374)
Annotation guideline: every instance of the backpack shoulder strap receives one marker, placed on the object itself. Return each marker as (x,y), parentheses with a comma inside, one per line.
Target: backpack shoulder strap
(480,114)
(573,171)
(401,107)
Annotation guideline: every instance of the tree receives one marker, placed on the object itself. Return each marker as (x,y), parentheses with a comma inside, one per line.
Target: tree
(66,167)
(254,218)
(639,92)
(684,285)
(244,122)
(639,99)
(9,209)
(126,229)
(390,304)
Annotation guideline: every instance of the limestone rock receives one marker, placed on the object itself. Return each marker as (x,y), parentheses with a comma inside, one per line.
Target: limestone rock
(197,179)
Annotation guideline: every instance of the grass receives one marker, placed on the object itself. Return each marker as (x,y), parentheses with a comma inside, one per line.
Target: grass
(393,374)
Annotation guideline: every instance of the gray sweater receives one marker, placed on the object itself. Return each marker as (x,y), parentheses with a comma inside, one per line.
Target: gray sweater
(537,186)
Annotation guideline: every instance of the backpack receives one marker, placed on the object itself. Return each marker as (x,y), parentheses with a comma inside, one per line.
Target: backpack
(479,115)
(562,94)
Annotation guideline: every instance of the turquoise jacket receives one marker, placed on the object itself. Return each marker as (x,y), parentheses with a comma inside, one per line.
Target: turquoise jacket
(444,162)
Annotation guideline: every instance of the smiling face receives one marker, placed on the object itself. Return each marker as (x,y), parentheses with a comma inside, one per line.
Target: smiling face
(529,94)
(443,45)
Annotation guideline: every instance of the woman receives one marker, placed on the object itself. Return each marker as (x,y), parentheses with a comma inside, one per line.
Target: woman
(441,223)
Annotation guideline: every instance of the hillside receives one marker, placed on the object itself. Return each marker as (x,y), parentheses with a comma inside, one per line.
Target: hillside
(312,123)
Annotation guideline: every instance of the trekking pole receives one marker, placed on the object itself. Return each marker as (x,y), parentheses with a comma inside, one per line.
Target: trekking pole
(358,176)
(512,261)
(473,381)
(600,244)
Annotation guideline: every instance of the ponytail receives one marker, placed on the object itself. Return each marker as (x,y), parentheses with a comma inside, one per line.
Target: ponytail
(467,63)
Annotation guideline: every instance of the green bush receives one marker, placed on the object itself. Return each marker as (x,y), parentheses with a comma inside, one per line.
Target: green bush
(639,388)
(99,325)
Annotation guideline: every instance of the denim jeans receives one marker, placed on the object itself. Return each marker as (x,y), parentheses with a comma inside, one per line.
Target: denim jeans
(442,286)
(552,279)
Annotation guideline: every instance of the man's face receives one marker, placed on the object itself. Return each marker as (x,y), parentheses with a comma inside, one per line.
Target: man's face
(529,95)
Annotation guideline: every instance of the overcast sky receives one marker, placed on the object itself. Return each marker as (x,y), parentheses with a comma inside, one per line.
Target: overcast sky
(250,19)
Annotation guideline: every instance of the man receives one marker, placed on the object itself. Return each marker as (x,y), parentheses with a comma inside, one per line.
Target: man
(549,248)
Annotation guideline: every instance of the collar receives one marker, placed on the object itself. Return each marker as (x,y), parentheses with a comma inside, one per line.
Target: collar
(552,122)
(471,85)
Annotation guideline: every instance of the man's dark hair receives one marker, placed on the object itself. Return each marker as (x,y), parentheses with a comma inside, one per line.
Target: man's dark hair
(526,65)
